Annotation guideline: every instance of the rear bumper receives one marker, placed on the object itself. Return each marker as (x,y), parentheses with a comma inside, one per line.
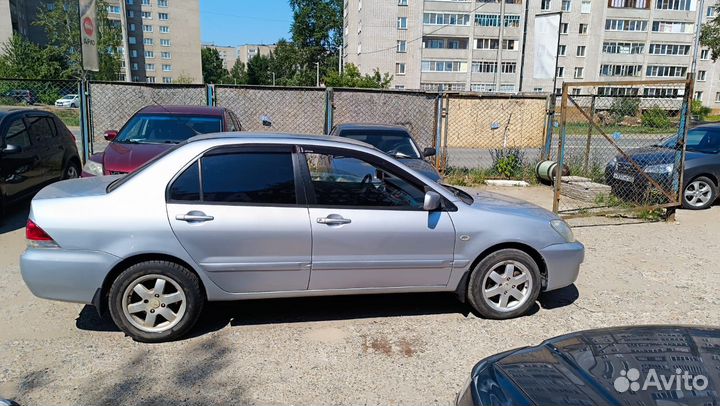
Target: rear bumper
(65,275)
(563,264)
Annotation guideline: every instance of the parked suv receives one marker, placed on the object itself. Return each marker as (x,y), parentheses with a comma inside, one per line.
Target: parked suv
(21,96)
(153,130)
(36,148)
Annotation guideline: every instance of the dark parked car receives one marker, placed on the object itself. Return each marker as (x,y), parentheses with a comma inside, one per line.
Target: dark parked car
(153,130)
(36,148)
(393,140)
(21,96)
(702,168)
(647,365)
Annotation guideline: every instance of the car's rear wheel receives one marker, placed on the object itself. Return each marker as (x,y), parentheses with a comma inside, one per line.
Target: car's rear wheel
(156,301)
(505,284)
(71,171)
(700,193)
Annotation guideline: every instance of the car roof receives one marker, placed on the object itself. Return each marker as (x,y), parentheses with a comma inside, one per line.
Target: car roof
(183,109)
(369,126)
(706,125)
(289,138)
(6,111)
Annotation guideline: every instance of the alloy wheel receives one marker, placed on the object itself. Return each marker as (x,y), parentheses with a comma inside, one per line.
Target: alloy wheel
(697,193)
(71,172)
(154,303)
(507,286)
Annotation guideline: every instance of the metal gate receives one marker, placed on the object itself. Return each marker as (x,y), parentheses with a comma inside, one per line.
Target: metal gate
(622,146)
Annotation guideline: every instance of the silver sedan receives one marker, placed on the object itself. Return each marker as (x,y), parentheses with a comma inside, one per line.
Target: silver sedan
(248,216)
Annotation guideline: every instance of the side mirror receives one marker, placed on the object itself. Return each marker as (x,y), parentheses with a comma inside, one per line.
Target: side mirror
(429,151)
(11,149)
(266,121)
(432,201)
(111,135)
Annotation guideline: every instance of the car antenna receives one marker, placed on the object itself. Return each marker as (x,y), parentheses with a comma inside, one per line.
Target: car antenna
(174,116)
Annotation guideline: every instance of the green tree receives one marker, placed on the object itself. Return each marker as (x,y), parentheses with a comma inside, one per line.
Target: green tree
(62,28)
(21,58)
(212,66)
(710,35)
(258,70)
(317,25)
(351,77)
(238,74)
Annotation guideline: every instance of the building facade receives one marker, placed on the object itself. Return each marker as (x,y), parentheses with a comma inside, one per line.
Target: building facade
(488,45)
(160,38)
(243,53)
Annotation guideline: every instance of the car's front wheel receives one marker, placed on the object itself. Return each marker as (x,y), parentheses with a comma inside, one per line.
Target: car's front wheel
(700,193)
(505,284)
(71,171)
(156,301)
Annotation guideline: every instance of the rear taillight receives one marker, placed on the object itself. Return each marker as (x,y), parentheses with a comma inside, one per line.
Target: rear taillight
(37,237)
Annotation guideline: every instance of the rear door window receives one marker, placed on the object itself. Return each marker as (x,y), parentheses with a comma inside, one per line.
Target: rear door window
(41,129)
(17,134)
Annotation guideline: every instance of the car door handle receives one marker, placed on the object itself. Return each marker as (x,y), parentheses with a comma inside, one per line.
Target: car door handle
(331,221)
(194,217)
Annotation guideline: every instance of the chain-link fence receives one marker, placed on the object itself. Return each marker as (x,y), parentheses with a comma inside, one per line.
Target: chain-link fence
(289,110)
(112,104)
(620,146)
(58,96)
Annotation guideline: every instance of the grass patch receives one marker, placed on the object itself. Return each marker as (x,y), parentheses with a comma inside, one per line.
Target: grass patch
(478,176)
(713,119)
(71,117)
(582,129)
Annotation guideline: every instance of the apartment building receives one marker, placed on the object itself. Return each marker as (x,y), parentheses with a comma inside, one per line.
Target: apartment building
(487,45)
(160,38)
(243,53)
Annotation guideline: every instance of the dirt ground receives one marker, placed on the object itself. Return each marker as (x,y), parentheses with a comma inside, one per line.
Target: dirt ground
(391,349)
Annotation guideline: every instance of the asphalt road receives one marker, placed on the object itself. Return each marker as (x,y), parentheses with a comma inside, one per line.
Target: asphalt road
(387,349)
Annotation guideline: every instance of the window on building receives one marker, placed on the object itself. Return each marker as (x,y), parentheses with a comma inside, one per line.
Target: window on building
(583,28)
(444,66)
(566,5)
(134,53)
(710,11)
(623,47)
(130,2)
(147,28)
(399,87)
(698,95)
(162,3)
(508,67)
(402,2)
(672,27)
(487,20)
(717,97)
(164,29)
(629,3)
(146,15)
(484,67)
(701,75)
(147,41)
(562,49)
(167,68)
(167,80)
(560,71)
(507,88)
(150,67)
(564,28)
(625,25)
(586,6)
(163,16)
(400,68)
(685,5)
(402,23)
(666,71)
(132,27)
(512,21)
(111,9)
(621,70)
(165,42)
(662,92)
(580,51)
(134,66)
(579,73)
(545,5)
(439,87)
(149,54)
(402,46)
(132,40)
(669,49)
(446,19)
(575,91)
(538,89)
(166,55)
(131,14)
(486,43)
(482,87)
(145,2)
(510,44)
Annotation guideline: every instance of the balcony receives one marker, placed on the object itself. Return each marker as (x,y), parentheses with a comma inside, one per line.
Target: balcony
(445,43)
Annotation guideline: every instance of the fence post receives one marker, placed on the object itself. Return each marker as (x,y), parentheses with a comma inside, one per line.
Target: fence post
(589,134)
(437,143)
(550,124)
(679,168)
(210,92)
(329,109)
(561,148)
(84,91)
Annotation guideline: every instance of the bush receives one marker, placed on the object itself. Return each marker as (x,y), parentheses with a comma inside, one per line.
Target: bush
(507,162)
(623,107)
(656,118)
(699,111)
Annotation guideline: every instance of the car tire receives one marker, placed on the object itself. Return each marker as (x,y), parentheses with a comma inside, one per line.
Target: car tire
(71,171)
(504,285)
(148,315)
(698,194)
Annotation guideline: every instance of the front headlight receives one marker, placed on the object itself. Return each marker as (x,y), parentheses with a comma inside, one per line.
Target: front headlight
(664,168)
(613,163)
(93,168)
(563,229)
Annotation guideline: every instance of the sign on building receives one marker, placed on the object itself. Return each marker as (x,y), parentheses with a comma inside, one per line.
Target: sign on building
(88,35)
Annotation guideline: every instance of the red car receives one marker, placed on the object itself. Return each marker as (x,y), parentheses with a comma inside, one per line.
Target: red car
(153,130)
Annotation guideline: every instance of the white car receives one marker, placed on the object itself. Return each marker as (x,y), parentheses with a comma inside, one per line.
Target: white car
(68,101)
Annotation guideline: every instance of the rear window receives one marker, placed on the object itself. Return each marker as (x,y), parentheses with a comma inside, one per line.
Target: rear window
(167,128)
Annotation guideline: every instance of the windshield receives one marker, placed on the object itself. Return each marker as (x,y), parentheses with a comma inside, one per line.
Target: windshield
(703,139)
(166,129)
(392,142)
(69,97)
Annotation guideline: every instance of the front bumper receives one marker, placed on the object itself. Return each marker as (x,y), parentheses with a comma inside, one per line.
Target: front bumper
(65,275)
(563,263)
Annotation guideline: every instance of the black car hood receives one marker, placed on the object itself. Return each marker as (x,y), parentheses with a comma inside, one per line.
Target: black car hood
(421,166)
(656,156)
(582,368)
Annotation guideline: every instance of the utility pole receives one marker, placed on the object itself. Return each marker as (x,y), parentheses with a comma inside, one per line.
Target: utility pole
(317,74)
(498,61)
(273,78)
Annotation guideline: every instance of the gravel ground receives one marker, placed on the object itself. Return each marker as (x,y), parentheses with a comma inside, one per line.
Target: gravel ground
(393,349)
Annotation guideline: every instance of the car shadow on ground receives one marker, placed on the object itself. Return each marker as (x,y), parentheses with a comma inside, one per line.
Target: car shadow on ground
(14,218)
(218,315)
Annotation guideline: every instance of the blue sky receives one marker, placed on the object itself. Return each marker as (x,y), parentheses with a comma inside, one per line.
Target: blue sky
(237,22)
